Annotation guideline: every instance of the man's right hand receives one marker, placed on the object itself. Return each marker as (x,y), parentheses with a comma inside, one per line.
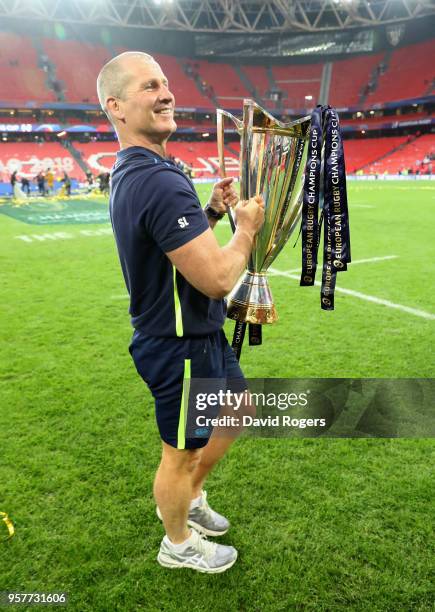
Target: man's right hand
(250,214)
(215,270)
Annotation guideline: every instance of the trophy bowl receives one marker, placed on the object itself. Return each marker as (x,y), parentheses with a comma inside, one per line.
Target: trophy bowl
(273,156)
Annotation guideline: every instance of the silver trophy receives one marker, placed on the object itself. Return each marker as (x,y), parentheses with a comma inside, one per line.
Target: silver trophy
(272,163)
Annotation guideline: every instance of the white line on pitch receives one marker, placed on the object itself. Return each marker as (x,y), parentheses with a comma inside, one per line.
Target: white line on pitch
(373,259)
(361,206)
(124,296)
(367,298)
(357,261)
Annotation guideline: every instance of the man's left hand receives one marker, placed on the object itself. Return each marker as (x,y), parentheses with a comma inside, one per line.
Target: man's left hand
(223,195)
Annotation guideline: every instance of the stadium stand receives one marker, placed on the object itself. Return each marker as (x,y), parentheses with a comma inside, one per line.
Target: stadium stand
(415,156)
(30,158)
(202,157)
(21,78)
(410,73)
(406,74)
(350,77)
(379,155)
(77,65)
(361,152)
(182,85)
(184,88)
(257,75)
(374,122)
(298,81)
(223,81)
(403,73)
(371,154)
(203,123)
(99,156)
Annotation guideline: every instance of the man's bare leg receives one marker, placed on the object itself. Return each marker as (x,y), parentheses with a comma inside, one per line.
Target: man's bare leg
(211,454)
(220,440)
(173,489)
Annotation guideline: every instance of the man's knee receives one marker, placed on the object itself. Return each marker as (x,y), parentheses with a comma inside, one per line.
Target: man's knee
(183,460)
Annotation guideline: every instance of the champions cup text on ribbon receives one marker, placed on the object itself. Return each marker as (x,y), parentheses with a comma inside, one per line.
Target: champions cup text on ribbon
(336,238)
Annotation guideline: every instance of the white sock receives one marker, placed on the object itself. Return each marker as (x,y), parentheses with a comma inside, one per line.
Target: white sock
(195,502)
(179,547)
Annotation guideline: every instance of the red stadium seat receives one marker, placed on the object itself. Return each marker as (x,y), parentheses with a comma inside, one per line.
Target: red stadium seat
(298,81)
(29,158)
(225,82)
(258,77)
(184,88)
(410,74)
(202,157)
(77,66)
(361,152)
(21,78)
(379,155)
(349,77)
(99,156)
(370,121)
(411,155)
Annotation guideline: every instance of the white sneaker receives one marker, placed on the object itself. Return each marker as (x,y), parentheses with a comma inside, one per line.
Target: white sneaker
(204,519)
(199,554)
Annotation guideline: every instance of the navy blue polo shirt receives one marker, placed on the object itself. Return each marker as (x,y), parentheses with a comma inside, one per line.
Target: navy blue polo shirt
(154,209)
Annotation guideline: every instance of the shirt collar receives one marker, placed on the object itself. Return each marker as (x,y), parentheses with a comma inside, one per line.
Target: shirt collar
(136,150)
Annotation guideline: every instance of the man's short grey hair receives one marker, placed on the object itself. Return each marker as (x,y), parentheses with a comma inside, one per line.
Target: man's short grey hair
(113,76)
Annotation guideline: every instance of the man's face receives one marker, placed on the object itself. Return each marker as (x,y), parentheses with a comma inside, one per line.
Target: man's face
(148,105)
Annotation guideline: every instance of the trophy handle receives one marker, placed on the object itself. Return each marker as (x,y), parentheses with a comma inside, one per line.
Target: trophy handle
(220,122)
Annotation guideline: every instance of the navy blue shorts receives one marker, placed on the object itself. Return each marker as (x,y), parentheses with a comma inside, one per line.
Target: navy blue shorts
(176,370)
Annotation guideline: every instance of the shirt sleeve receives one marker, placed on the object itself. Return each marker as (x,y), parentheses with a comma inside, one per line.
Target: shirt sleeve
(172,214)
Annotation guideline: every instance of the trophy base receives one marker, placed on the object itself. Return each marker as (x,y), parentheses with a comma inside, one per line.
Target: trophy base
(251,301)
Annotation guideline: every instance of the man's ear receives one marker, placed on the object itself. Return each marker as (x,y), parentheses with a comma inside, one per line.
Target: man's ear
(114,108)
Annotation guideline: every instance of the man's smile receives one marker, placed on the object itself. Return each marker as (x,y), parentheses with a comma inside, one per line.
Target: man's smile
(165,111)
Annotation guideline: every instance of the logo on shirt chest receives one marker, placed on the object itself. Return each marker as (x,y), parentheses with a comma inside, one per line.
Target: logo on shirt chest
(182,222)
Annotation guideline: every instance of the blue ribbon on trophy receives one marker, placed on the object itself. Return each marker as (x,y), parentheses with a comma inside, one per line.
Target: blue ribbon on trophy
(325,130)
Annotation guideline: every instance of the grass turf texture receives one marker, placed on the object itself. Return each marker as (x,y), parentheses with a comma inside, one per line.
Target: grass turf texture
(319,524)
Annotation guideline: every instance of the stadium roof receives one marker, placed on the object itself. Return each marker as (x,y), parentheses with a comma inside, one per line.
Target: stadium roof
(229,16)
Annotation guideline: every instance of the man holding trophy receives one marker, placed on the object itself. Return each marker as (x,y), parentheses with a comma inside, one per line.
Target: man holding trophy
(177,276)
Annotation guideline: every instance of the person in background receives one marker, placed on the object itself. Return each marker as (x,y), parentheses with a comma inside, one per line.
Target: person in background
(104,182)
(90,180)
(17,193)
(49,177)
(40,181)
(66,184)
(13,180)
(25,185)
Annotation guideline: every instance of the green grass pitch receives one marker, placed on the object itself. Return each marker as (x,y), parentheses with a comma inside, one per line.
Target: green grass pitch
(319,524)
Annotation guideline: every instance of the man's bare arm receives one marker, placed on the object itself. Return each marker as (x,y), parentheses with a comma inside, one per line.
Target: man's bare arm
(212,269)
